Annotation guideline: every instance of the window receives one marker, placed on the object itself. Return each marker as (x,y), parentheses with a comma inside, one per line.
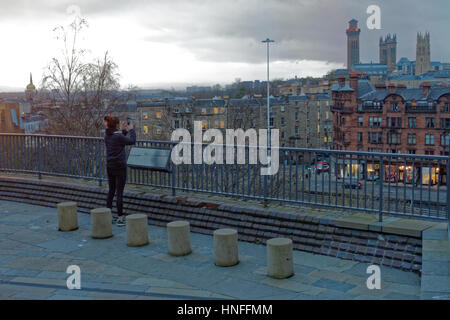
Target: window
(430,122)
(375,137)
(445,123)
(395,138)
(176,110)
(158,129)
(222,124)
(318,128)
(158,114)
(394,107)
(216,110)
(445,139)
(327,114)
(272,122)
(203,110)
(222,110)
(282,121)
(282,135)
(297,130)
(411,138)
(394,122)
(146,129)
(145,115)
(360,136)
(360,121)
(176,124)
(429,139)
(375,122)
(204,124)
(412,123)
(216,124)
(296,116)
(282,108)
(446,108)
(411,151)
(188,110)
(429,152)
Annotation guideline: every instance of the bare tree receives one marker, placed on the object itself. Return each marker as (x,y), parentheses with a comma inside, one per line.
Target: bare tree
(82,92)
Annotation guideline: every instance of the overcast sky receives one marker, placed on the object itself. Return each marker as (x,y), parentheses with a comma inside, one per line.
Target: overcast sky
(159,42)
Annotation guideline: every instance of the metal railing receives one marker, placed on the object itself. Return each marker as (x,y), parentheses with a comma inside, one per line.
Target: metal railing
(379,183)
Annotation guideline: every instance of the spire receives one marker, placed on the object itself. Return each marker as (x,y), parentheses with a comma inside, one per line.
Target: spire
(31,78)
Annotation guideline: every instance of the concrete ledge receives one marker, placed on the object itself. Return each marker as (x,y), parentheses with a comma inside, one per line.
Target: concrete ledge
(413,228)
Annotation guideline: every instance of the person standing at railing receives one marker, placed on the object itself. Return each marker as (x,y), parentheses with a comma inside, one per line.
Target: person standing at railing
(115,141)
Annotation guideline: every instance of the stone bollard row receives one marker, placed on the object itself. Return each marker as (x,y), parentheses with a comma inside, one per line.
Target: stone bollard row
(280,262)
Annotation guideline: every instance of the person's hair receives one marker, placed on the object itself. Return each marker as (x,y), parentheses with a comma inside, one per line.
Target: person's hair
(111,121)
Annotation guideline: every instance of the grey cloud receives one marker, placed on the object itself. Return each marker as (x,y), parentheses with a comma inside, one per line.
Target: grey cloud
(232,30)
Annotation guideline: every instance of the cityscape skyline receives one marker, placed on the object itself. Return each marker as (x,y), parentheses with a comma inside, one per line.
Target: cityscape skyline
(204,44)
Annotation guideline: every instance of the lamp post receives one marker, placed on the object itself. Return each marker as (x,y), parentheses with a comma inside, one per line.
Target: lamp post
(267,42)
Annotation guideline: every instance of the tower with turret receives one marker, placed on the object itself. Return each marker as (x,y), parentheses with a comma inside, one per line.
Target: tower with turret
(423,57)
(352,43)
(30,91)
(388,51)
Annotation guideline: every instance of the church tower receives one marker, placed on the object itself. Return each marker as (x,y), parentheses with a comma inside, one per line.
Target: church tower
(30,91)
(352,44)
(388,51)
(423,57)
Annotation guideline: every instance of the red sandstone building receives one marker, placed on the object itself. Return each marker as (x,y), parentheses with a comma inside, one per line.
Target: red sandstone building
(392,119)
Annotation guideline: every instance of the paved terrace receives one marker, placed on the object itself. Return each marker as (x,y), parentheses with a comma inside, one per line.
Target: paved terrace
(34,257)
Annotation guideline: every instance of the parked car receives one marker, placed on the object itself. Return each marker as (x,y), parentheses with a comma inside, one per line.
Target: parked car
(321,166)
(353,185)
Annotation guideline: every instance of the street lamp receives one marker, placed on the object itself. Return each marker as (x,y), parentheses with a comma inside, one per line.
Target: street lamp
(267,42)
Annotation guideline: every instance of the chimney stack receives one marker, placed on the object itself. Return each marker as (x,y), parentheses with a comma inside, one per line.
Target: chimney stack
(391,88)
(380,86)
(426,87)
(341,81)
(354,76)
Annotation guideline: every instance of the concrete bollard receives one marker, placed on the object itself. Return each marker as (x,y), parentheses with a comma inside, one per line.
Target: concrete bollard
(178,233)
(67,216)
(280,263)
(101,223)
(137,230)
(226,247)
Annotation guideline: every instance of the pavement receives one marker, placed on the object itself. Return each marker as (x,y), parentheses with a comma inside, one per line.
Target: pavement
(34,257)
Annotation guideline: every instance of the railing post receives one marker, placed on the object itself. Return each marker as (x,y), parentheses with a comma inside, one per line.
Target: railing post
(448,196)
(39,156)
(100,166)
(173,174)
(380,214)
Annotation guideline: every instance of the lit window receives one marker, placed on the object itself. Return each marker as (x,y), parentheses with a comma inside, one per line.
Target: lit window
(145,115)
(145,129)
(216,110)
(222,124)
(204,124)
(158,115)
(158,129)
(203,110)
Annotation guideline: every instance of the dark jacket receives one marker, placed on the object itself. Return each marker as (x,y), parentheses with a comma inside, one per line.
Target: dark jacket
(115,142)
